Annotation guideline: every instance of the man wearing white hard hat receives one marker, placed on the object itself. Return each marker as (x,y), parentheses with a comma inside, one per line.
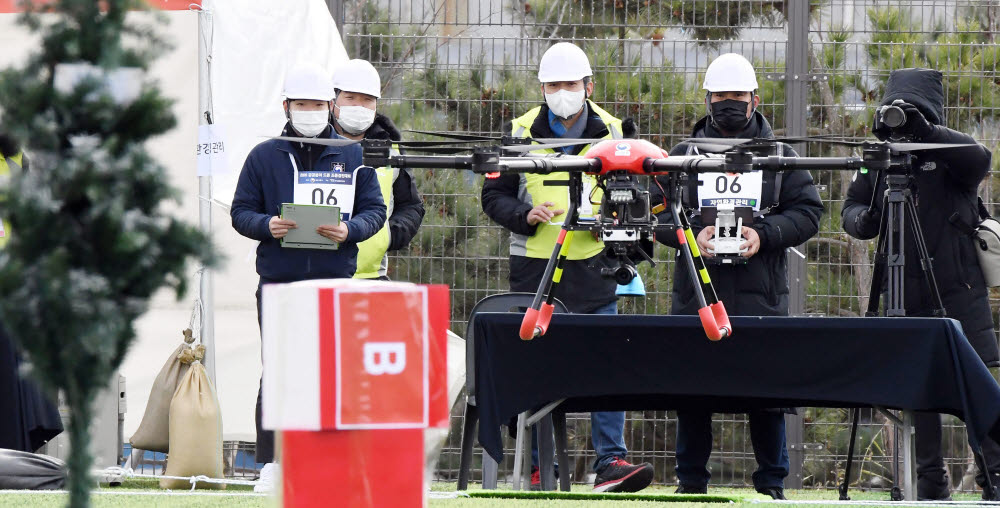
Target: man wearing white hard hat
(531,211)
(358,89)
(785,209)
(278,171)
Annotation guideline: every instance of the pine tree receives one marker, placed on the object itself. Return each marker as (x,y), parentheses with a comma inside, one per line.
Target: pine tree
(90,243)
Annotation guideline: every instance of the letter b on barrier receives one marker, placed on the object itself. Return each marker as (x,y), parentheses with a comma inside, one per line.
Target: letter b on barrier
(384,358)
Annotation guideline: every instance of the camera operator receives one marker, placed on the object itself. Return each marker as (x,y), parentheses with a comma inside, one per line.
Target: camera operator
(788,215)
(945,181)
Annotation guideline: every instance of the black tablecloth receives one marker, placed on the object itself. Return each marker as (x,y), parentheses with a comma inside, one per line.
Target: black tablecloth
(628,362)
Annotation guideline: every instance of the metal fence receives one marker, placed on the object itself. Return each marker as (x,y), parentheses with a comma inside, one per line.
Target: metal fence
(468,66)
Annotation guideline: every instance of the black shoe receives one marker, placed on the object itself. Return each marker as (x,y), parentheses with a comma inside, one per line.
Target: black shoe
(774,492)
(995,494)
(691,489)
(620,476)
(933,489)
(987,496)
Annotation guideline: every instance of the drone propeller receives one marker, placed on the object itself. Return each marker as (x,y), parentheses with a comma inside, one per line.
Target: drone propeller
(317,141)
(460,137)
(439,150)
(416,145)
(913,147)
(571,141)
(723,144)
(532,148)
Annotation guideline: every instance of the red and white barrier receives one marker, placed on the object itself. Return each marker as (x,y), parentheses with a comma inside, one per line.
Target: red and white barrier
(353,373)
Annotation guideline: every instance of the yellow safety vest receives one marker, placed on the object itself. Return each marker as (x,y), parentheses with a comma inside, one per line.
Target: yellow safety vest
(532,190)
(373,262)
(7,166)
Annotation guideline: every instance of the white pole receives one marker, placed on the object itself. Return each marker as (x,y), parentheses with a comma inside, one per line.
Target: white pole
(207,291)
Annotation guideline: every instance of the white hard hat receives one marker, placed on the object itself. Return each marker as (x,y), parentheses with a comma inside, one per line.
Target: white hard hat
(564,61)
(730,73)
(358,76)
(308,82)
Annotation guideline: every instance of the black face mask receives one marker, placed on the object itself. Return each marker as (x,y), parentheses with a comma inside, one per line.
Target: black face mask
(730,115)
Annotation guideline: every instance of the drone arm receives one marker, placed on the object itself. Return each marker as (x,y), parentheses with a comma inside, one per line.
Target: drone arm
(781,163)
(691,164)
(430,161)
(548,165)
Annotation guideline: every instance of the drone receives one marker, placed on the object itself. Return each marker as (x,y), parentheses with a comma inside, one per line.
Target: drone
(627,223)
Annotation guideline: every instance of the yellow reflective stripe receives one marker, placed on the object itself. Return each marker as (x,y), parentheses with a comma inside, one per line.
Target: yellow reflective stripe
(704,276)
(565,246)
(691,241)
(557,275)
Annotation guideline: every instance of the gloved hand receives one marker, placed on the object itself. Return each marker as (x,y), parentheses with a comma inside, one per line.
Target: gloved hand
(879,130)
(867,222)
(916,125)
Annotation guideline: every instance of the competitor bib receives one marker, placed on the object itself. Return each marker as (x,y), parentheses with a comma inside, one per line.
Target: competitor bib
(737,189)
(332,188)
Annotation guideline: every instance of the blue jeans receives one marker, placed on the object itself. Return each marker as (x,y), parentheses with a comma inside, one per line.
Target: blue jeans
(607,428)
(694,445)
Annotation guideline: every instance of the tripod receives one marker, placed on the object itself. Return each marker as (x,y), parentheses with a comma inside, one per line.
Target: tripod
(899,215)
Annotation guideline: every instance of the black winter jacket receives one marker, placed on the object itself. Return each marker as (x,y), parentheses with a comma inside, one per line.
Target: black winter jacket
(408,206)
(760,286)
(946,182)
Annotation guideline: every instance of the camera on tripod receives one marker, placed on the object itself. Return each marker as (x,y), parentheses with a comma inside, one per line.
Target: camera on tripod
(891,117)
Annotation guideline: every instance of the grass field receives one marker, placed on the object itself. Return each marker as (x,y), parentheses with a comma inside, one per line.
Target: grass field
(143,493)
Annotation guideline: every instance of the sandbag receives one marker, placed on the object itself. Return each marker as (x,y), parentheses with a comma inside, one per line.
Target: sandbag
(195,431)
(30,471)
(154,429)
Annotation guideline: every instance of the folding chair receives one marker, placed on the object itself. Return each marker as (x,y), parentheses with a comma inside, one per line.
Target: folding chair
(549,424)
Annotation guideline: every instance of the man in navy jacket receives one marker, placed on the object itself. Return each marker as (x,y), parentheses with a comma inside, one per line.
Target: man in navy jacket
(270,176)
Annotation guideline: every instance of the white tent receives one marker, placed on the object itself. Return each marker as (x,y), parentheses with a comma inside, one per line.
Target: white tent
(253,43)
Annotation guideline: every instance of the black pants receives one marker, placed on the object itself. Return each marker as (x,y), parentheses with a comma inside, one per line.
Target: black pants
(931,474)
(265,438)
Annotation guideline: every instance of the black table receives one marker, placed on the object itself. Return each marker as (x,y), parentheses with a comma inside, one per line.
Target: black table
(629,362)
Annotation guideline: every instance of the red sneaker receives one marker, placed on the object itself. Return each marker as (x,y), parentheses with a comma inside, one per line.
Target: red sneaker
(620,476)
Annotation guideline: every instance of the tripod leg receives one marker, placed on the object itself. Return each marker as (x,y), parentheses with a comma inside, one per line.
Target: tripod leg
(536,319)
(925,257)
(896,494)
(989,492)
(878,274)
(895,258)
(850,455)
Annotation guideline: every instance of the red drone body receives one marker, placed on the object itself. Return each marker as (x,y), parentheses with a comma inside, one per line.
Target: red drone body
(624,154)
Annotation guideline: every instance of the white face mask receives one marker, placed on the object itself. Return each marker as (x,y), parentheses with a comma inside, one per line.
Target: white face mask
(564,103)
(310,123)
(355,119)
